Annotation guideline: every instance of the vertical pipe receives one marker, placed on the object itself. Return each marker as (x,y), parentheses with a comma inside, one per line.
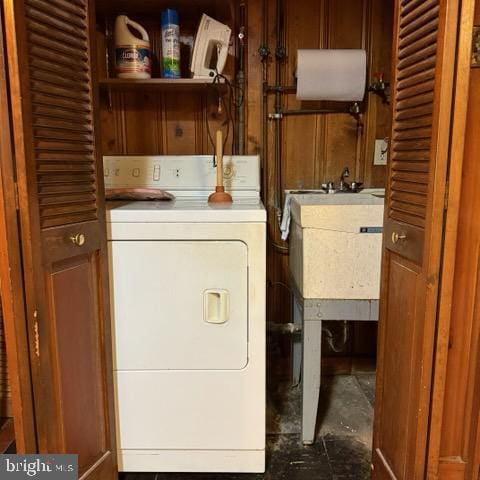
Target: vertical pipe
(241,83)
(362,132)
(265,106)
(279,55)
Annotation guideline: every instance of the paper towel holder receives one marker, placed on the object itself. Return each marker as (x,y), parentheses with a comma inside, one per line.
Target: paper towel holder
(354,109)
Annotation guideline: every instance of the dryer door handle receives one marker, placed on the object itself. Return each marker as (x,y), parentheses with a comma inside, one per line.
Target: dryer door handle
(216,306)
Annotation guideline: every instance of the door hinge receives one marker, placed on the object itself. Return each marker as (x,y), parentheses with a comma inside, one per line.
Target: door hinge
(37,336)
(476,46)
(447,191)
(17,196)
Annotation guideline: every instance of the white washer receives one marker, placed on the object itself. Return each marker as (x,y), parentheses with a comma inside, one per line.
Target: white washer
(188,308)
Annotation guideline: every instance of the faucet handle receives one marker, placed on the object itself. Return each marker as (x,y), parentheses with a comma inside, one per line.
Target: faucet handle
(345,172)
(356,186)
(328,187)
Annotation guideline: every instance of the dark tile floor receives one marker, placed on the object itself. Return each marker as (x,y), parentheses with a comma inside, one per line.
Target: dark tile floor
(343,446)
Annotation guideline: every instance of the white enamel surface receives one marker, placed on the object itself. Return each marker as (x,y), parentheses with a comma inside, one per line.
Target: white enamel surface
(330,258)
(195,210)
(181,173)
(191,179)
(189,377)
(171,332)
(245,461)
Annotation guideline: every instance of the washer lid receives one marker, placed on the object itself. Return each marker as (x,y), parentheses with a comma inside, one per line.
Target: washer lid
(187,210)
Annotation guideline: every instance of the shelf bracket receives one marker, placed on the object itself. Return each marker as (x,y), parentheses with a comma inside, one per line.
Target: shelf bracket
(109,99)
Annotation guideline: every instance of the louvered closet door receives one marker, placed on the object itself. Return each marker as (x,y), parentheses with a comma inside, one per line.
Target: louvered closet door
(424,57)
(63,229)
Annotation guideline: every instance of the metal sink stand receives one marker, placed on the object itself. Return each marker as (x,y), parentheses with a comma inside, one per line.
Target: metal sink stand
(308,314)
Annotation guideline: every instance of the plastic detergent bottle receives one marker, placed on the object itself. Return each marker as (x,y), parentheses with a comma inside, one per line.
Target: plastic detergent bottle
(170,44)
(132,54)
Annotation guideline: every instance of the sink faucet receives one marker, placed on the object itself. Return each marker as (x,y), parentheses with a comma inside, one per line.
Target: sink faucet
(344,186)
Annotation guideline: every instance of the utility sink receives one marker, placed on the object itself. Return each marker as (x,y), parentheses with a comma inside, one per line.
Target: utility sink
(335,244)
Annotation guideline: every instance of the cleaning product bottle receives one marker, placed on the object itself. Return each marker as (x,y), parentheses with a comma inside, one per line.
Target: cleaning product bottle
(132,54)
(170,44)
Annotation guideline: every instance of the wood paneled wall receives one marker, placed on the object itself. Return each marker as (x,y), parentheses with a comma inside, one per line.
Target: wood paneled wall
(137,122)
(156,124)
(315,147)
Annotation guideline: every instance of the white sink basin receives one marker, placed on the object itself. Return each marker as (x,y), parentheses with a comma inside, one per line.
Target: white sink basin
(335,244)
(376,192)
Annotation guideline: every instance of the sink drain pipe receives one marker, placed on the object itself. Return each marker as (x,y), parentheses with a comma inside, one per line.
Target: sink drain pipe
(294,328)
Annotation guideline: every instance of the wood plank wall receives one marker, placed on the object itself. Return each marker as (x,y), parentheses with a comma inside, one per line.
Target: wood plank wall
(155,122)
(315,147)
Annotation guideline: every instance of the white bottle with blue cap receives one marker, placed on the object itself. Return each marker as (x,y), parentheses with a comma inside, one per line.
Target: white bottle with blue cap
(170,44)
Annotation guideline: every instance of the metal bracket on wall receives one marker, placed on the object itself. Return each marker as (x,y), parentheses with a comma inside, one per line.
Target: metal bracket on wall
(264,52)
(275,116)
(109,98)
(476,46)
(355,109)
(380,87)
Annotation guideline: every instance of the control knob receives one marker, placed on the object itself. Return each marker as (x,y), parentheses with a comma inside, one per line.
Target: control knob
(228,172)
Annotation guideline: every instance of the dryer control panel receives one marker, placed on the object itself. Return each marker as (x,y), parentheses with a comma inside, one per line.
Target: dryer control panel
(177,173)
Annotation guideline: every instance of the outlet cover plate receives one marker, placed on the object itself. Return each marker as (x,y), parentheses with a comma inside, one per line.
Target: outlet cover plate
(381,152)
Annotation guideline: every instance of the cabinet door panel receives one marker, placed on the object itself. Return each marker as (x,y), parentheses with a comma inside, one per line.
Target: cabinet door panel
(403,282)
(63,228)
(424,59)
(73,295)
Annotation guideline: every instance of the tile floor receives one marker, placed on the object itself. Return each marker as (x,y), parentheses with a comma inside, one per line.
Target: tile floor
(343,446)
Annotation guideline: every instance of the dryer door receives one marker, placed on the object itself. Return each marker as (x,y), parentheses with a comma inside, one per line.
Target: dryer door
(179,305)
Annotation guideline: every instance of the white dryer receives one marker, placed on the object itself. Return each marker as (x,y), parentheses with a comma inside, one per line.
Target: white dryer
(188,309)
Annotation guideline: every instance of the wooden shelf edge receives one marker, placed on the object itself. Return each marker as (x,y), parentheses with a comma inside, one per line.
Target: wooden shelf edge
(158,84)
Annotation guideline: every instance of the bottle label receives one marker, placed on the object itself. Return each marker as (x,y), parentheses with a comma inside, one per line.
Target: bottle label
(132,59)
(171,51)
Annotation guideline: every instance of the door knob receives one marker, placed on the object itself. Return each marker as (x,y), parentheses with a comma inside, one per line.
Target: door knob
(396,237)
(78,239)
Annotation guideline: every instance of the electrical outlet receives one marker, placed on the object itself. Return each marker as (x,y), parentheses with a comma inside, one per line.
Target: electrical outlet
(381,152)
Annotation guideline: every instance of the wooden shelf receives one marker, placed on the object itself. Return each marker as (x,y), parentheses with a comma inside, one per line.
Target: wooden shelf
(158,84)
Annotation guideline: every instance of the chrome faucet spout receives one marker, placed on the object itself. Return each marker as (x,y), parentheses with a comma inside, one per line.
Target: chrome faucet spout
(344,186)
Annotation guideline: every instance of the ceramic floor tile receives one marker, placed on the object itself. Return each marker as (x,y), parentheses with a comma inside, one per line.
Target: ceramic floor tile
(284,407)
(289,459)
(344,409)
(367,384)
(137,476)
(349,458)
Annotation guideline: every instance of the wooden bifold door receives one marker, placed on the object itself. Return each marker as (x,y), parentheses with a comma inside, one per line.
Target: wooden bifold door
(62,228)
(425,60)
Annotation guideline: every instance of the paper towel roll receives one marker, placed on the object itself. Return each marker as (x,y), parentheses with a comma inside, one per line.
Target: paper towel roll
(338,75)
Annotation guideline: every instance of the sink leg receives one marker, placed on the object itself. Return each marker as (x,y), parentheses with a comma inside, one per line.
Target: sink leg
(296,344)
(312,349)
